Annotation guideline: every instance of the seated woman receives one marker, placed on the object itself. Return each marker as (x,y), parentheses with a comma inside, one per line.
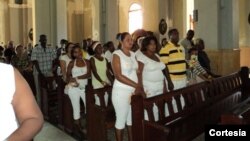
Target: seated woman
(78,72)
(21,118)
(101,76)
(198,73)
(151,69)
(65,60)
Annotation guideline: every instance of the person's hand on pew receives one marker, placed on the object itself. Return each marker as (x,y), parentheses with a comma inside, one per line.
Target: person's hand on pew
(139,90)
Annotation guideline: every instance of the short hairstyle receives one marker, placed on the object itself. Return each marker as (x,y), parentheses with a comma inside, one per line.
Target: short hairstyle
(108,44)
(67,46)
(42,35)
(76,46)
(146,42)
(18,46)
(171,31)
(190,31)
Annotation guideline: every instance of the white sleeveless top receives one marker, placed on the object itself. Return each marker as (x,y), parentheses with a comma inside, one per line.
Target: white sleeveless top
(129,67)
(79,71)
(8,121)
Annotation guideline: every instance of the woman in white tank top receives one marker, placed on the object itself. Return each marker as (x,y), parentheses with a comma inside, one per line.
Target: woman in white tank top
(21,118)
(78,73)
(125,85)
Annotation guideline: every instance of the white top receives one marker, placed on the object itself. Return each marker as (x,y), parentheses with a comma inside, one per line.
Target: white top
(108,55)
(129,66)
(8,121)
(138,53)
(79,71)
(66,59)
(152,75)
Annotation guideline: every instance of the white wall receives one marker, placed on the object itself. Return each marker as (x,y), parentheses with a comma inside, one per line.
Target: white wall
(44,20)
(61,20)
(207,25)
(112,20)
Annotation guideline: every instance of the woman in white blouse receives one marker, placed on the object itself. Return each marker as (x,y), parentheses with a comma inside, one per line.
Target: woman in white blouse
(126,84)
(152,71)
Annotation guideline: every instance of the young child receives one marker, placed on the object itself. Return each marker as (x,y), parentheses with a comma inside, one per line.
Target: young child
(197,71)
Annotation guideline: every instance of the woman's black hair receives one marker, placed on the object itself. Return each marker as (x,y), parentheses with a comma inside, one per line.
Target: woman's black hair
(146,42)
(91,50)
(67,46)
(72,51)
(109,43)
(121,38)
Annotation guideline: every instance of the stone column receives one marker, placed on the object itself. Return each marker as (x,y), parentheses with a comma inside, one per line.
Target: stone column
(218,26)
(111,20)
(44,20)
(96,20)
(61,20)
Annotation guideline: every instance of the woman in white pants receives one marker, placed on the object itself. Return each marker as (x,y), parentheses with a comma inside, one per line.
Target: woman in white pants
(78,73)
(151,70)
(125,67)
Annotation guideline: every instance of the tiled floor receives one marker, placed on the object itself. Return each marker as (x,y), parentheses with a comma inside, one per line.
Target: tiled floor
(51,133)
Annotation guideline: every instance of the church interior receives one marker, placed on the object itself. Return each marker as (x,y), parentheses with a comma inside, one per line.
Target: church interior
(222,25)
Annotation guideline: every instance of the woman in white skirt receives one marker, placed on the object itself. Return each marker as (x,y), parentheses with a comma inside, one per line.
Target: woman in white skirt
(125,68)
(78,73)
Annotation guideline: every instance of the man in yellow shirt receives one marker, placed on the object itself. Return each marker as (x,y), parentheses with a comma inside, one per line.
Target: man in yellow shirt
(173,55)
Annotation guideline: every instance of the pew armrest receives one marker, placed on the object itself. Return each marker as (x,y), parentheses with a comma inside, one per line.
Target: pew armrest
(154,131)
(231,119)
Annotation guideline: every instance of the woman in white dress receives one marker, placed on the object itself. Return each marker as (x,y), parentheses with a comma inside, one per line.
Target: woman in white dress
(126,84)
(21,118)
(152,71)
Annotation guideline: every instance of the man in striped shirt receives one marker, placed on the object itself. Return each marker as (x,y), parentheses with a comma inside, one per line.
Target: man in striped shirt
(173,55)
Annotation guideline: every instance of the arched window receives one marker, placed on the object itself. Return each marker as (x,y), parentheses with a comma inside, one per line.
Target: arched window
(135,17)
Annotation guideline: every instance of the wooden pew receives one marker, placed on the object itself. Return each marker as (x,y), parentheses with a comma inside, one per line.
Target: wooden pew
(204,103)
(101,117)
(49,99)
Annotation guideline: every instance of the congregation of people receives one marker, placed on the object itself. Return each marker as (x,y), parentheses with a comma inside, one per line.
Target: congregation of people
(135,66)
